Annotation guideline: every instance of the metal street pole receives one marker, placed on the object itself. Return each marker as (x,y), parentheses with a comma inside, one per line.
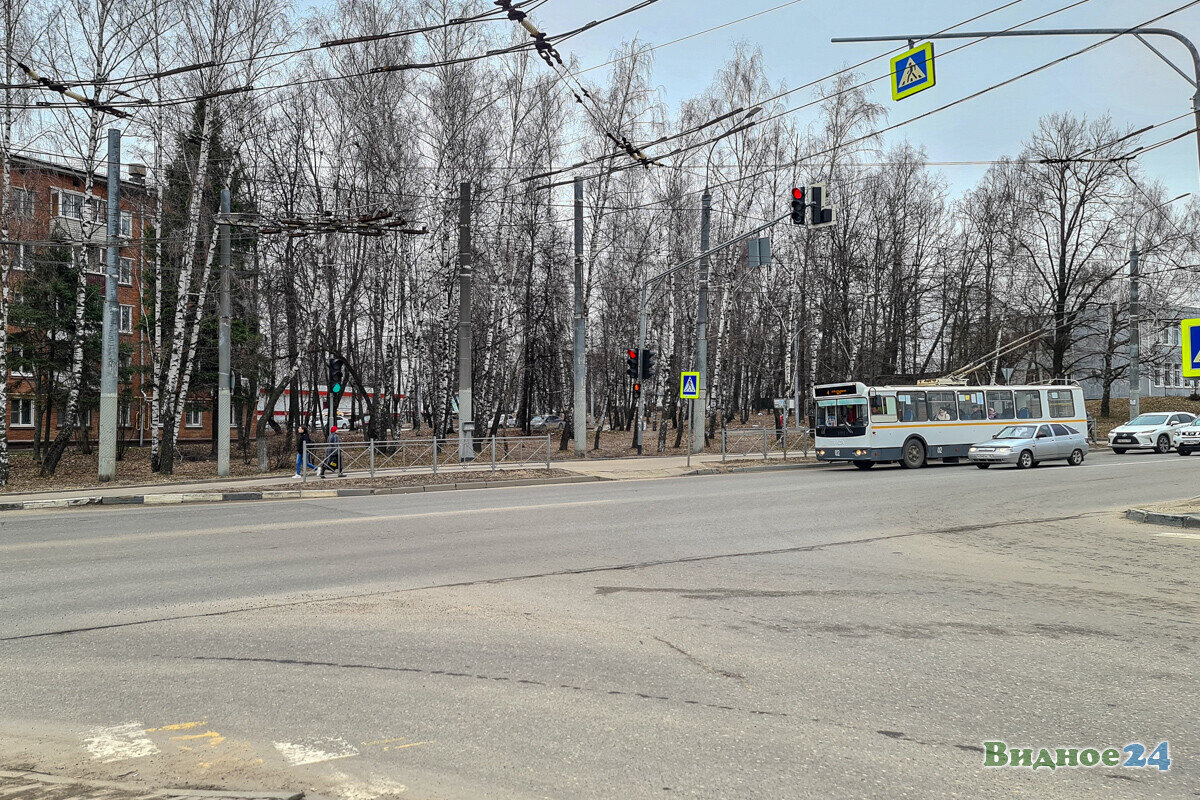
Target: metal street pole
(641,403)
(698,419)
(1137,32)
(111,328)
(580,399)
(1135,339)
(223,345)
(466,420)
(1135,308)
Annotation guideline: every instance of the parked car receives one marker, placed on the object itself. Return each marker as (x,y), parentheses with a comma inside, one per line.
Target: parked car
(1149,432)
(549,422)
(1028,445)
(1187,439)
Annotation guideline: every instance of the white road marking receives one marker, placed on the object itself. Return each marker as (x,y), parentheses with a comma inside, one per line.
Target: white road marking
(119,742)
(315,749)
(374,788)
(1180,535)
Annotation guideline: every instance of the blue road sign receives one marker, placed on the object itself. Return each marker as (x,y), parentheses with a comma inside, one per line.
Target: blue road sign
(1190,337)
(689,386)
(912,72)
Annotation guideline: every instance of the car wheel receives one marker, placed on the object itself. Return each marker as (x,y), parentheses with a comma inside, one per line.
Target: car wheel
(1025,461)
(1163,445)
(1120,450)
(914,454)
(983,466)
(1076,458)
(1183,451)
(864,465)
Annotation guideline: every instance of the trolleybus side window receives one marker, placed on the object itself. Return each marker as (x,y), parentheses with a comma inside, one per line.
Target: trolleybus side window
(1000,405)
(1062,403)
(941,406)
(1029,403)
(970,405)
(883,408)
(912,406)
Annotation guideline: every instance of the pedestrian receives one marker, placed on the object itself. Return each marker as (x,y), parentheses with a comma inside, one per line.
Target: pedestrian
(333,453)
(302,438)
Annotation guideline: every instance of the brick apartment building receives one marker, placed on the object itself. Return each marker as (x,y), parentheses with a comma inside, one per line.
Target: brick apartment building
(49,208)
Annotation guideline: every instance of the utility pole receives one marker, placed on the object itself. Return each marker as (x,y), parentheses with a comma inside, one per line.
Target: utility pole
(111,328)
(223,388)
(580,400)
(700,406)
(466,421)
(1135,339)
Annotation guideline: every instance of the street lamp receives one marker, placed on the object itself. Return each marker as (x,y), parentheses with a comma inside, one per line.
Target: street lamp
(1135,338)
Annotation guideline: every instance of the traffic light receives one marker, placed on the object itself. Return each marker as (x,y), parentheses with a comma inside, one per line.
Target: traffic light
(649,363)
(798,206)
(631,364)
(336,376)
(637,388)
(822,214)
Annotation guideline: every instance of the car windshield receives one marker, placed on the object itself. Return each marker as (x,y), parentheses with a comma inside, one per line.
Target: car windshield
(1017,432)
(1150,419)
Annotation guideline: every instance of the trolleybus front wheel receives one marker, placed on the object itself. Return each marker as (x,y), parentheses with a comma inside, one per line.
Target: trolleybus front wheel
(864,465)
(913,454)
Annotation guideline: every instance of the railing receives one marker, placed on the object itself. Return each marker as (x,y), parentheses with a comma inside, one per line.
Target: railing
(402,455)
(746,442)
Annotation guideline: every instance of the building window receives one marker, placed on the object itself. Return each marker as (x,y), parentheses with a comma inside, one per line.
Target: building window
(22,413)
(126,319)
(126,225)
(83,420)
(126,417)
(195,418)
(70,204)
(126,274)
(22,202)
(22,256)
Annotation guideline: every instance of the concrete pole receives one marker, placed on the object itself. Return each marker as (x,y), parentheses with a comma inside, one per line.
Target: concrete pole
(580,401)
(111,330)
(223,345)
(466,420)
(701,406)
(641,345)
(1135,339)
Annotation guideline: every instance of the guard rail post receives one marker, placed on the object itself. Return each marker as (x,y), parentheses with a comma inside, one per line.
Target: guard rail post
(435,454)
(547,451)
(371,444)
(304,462)
(723,445)
(785,434)
(764,444)
(493,454)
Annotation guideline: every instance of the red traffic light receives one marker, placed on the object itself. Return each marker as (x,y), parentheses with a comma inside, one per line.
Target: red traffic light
(797,194)
(637,387)
(631,353)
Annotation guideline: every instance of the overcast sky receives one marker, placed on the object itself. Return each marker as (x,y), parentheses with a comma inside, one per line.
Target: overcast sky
(1121,78)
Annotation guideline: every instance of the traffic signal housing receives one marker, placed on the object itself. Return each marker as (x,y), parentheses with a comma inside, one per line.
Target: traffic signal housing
(631,364)
(649,362)
(337,376)
(798,206)
(823,214)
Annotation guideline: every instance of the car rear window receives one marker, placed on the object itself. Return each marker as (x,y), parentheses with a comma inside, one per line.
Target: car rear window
(1063,430)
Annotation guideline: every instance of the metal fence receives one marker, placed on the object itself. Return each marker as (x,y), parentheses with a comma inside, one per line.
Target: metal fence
(487,453)
(748,442)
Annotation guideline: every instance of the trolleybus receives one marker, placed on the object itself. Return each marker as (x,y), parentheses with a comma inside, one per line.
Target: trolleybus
(868,425)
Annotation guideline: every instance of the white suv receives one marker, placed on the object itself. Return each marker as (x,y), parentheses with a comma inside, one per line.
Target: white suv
(1149,432)
(1187,438)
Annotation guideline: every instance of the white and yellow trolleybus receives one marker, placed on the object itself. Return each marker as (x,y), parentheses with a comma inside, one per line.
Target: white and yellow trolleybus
(868,425)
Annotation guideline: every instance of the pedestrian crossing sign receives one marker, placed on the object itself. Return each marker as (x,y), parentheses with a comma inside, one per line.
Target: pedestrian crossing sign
(689,385)
(1190,338)
(912,71)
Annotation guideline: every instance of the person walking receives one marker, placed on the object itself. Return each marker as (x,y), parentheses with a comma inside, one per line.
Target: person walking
(302,438)
(333,453)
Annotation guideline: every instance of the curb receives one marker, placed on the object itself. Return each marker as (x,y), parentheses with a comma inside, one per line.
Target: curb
(62,784)
(1157,518)
(764,468)
(181,498)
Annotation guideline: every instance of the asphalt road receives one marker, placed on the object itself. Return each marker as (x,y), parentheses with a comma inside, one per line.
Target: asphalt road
(810,633)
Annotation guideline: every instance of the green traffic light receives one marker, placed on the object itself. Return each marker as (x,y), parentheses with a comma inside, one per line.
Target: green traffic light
(337,387)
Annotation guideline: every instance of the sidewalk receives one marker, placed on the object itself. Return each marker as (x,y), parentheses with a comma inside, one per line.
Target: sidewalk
(25,785)
(289,487)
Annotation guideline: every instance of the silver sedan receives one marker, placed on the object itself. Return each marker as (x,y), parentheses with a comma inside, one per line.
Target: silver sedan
(1028,445)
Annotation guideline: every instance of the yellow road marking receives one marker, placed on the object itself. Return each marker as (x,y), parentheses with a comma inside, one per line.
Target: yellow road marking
(402,746)
(383,741)
(213,738)
(1180,535)
(179,726)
